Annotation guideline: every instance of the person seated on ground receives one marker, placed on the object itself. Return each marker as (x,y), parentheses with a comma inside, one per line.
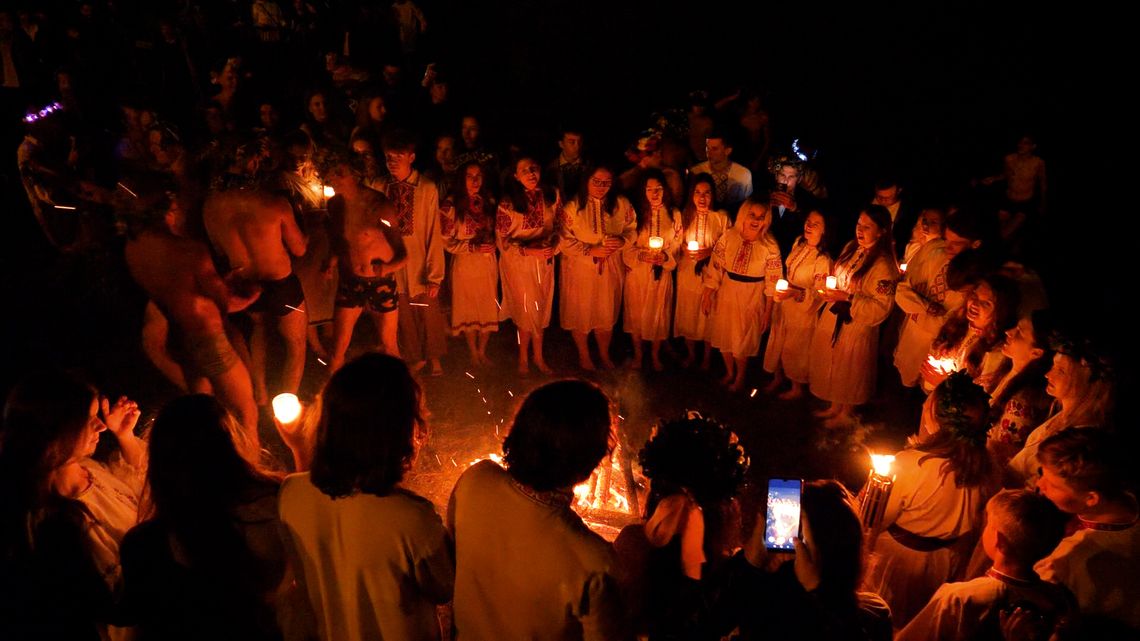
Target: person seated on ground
(372,558)
(518,541)
(1089,472)
(696,467)
(208,562)
(63,514)
(1021,528)
(934,513)
(814,597)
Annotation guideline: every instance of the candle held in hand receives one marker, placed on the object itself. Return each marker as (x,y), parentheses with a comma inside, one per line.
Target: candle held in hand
(329,192)
(693,246)
(656,242)
(286,407)
(781,285)
(832,282)
(902,267)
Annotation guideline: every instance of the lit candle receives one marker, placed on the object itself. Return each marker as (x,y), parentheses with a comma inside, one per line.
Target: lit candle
(656,242)
(832,282)
(902,267)
(693,246)
(781,285)
(286,408)
(329,192)
(877,492)
(942,365)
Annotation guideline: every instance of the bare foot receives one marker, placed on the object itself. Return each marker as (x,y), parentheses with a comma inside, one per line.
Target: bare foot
(543,367)
(658,366)
(608,364)
(791,394)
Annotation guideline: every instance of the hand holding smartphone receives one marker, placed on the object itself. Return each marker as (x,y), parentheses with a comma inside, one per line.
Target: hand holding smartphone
(782,518)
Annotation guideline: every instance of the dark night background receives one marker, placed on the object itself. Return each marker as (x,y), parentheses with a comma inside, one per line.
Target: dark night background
(934,93)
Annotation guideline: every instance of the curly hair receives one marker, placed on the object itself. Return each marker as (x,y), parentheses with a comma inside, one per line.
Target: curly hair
(697,454)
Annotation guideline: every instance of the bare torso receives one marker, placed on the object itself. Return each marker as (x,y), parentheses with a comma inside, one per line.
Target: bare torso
(255,231)
(369,243)
(177,274)
(1022,176)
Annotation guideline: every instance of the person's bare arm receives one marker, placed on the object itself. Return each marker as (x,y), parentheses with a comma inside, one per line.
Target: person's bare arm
(295,240)
(385,213)
(212,286)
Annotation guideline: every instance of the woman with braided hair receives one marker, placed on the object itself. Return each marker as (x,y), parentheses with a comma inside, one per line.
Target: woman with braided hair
(935,511)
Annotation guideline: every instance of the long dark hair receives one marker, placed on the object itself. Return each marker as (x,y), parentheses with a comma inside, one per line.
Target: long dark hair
(44,418)
(643,208)
(1032,376)
(559,435)
(462,202)
(514,191)
(196,505)
(689,211)
(838,537)
(961,409)
(609,203)
(1006,299)
(371,421)
(883,247)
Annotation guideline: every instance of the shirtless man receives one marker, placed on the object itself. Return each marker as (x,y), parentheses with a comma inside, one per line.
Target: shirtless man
(368,252)
(179,276)
(254,229)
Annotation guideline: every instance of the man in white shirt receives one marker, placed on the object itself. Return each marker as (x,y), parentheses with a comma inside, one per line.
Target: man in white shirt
(733,180)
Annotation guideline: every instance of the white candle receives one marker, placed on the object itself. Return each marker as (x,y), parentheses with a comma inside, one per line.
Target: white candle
(329,192)
(286,407)
(693,246)
(656,242)
(781,285)
(902,267)
(832,282)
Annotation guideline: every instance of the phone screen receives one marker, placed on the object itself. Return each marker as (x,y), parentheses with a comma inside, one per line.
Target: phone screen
(782,524)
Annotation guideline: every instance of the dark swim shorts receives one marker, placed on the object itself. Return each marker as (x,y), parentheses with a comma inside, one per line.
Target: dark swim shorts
(279,297)
(378,293)
(206,355)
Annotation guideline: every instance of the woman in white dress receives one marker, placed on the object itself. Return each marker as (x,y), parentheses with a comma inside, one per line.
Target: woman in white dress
(468,226)
(702,228)
(528,241)
(797,309)
(739,285)
(649,283)
(595,227)
(845,345)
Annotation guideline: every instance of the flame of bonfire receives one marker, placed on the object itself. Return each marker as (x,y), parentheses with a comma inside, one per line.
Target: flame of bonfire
(595,493)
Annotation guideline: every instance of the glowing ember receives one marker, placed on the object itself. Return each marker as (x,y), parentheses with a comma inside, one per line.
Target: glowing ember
(881,463)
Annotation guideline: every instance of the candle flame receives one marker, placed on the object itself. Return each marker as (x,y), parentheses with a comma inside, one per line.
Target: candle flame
(656,242)
(832,282)
(329,192)
(881,463)
(286,407)
(693,246)
(781,285)
(942,365)
(902,267)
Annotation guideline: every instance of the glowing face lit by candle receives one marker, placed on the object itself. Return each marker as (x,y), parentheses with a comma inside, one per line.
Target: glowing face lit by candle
(693,246)
(832,282)
(781,285)
(881,463)
(286,407)
(656,242)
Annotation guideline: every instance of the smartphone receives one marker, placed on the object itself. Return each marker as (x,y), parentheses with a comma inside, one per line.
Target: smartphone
(782,521)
